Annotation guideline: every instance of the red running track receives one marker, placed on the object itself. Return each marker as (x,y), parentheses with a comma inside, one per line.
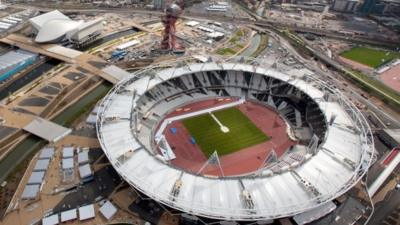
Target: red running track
(191,158)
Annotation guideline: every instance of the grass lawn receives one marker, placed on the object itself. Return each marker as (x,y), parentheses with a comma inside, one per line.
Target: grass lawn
(208,135)
(226,51)
(370,57)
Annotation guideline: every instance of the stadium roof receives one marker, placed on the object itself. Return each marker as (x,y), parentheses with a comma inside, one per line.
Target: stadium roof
(314,214)
(339,163)
(91,119)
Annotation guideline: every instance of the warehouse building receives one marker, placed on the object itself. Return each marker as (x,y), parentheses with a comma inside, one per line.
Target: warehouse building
(13,62)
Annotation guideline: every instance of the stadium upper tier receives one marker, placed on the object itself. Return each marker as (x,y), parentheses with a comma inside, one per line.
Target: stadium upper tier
(333,164)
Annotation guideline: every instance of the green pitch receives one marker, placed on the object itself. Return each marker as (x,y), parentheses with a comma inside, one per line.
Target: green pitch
(208,135)
(370,57)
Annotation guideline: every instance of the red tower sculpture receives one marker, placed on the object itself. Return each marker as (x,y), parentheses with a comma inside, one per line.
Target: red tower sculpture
(172,13)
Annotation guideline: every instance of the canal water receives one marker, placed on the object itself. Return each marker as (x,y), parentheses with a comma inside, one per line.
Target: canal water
(84,104)
(21,152)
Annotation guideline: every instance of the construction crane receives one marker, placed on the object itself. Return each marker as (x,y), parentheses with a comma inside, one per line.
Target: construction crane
(172,12)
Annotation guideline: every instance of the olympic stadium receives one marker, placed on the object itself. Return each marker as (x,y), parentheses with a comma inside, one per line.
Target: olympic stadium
(232,141)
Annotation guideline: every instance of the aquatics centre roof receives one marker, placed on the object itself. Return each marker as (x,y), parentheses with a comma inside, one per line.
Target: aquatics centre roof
(341,159)
(55,26)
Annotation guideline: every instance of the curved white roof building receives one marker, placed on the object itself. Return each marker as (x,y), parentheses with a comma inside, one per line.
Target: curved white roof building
(53,27)
(130,113)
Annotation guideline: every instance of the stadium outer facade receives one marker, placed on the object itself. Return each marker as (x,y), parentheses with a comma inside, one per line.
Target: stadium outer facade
(331,166)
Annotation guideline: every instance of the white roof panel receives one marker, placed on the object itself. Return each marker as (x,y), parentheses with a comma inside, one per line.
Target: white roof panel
(108,210)
(85,171)
(68,163)
(68,215)
(86,212)
(41,165)
(36,178)
(30,191)
(68,152)
(83,157)
(51,220)
(47,153)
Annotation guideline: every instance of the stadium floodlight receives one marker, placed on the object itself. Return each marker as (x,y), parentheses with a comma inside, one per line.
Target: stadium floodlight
(213,160)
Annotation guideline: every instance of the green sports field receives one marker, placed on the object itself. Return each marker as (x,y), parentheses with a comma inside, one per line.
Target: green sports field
(370,57)
(208,135)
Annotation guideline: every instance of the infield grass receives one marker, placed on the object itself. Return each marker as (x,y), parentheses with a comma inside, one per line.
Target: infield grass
(208,135)
(370,57)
